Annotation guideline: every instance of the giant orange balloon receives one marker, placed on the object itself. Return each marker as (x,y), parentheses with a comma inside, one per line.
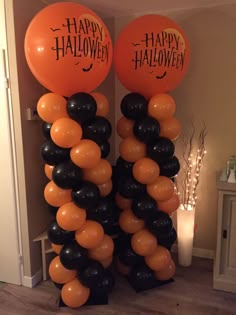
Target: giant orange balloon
(56,196)
(129,223)
(161,106)
(105,188)
(86,154)
(131,149)
(162,189)
(51,107)
(122,202)
(170,128)
(99,174)
(106,262)
(166,273)
(122,268)
(170,205)
(159,259)
(151,55)
(66,132)
(102,104)
(144,243)
(124,127)
(48,170)
(146,171)
(74,294)
(104,250)
(70,217)
(58,273)
(73,41)
(90,235)
(56,248)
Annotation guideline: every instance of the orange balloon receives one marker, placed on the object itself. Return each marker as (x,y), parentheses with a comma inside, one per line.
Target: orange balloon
(106,262)
(161,106)
(86,154)
(122,202)
(166,273)
(105,188)
(129,223)
(70,217)
(51,107)
(99,174)
(48,170)
(122,268)
(159,259)
(73,41)
(146,171)
(90,235)
(144,243)
(151,55)
(104,250)
(56,196)
(102,104)
(169,205)
(74,294)
(66,132)
(170,128)
(56,248)
(131,149)
(124,127)
(162,189)
(58,273)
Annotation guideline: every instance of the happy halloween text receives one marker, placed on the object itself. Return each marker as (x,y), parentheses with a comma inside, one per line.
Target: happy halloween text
(85,38)
(161,49)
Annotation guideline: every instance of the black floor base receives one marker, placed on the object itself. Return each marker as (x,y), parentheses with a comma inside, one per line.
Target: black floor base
(152,285)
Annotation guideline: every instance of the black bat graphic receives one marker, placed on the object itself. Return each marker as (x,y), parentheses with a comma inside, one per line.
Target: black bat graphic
(135,44)
(161,76)
(87,69)
(55,29)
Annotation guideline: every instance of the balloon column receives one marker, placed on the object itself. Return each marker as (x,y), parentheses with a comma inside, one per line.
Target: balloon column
(68,49)
(151,57)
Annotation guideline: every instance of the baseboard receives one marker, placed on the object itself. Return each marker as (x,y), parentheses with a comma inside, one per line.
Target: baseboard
(31,282)
(198,252)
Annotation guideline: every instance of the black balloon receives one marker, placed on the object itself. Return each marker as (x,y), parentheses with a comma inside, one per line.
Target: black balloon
(108,225)
(160,149)
(73,256)
(105,284)
(103,210)
(98,129)
(53,154)
(128,187)
(123,167)
(86,196)
(58,285)
(58,236)
(53,210)
(170,167)
(167,239)
(142,278)
(146,129)
(67,175)
(81,107)
(144,206)
(104,147)
(134,106)
(159,224)
(91,274)
(46,128)
(128,257)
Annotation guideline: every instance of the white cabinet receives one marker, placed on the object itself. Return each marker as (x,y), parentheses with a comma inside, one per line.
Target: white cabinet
(225,261)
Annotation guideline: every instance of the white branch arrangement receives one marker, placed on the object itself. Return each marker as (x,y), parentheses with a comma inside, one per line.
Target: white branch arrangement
(192,159)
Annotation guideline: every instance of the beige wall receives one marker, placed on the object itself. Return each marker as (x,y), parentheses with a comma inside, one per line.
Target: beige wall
(207,93)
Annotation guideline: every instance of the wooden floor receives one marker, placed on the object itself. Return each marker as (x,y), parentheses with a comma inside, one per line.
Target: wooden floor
(190,294)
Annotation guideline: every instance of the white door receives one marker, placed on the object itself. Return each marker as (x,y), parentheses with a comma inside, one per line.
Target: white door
(10,268)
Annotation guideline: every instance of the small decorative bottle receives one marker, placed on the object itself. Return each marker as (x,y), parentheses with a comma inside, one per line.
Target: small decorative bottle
(231,178)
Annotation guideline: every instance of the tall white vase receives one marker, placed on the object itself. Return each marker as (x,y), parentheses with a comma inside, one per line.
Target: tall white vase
(185,234)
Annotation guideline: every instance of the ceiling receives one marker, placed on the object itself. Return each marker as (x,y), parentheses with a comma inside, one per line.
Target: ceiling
(107,8)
